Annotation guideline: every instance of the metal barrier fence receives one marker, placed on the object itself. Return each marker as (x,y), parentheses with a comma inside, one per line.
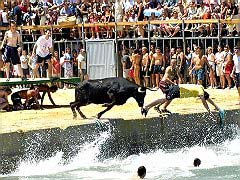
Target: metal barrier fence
(184,38)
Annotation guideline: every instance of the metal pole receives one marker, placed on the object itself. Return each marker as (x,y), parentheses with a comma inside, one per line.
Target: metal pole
(149,36)
(116,50)
(183,38)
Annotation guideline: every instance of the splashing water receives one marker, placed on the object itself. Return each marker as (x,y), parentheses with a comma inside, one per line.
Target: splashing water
(220,161)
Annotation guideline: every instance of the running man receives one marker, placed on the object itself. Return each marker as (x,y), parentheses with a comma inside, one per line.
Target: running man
(43,48)
(172,91)
(168,87)
(12,40)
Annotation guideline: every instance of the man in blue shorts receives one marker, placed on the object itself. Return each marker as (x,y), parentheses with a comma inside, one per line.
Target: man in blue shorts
(12,40)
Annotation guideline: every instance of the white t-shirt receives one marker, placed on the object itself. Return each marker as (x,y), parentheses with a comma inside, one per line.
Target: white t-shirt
(81,60)
(66,65)
(4,17)
(236,60)
(43,46)
(219,56)
(24,62)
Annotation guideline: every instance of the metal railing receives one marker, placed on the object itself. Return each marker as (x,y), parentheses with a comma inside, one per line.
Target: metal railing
(184,38)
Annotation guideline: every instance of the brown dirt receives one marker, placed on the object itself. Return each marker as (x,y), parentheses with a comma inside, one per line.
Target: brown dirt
(62,117)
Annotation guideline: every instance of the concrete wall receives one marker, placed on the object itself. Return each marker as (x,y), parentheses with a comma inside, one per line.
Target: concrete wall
(127,137)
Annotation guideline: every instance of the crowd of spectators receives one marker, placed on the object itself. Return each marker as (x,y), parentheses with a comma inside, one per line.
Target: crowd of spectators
(48,12)
(66,63)
(216,65)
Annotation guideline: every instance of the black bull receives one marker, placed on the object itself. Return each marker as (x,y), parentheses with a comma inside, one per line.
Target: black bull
(108,91)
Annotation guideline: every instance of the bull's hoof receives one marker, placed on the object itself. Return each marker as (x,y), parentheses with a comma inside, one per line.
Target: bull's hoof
(144,111)
(84,117)
(98,116)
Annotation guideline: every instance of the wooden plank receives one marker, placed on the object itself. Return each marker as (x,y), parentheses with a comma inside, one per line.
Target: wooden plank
(18,81)
(112,24)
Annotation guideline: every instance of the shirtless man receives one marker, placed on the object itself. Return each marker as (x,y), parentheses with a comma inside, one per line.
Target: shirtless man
(181,63)
(168,87)
(136,65)
(12,40)
(173,91)
(199,67)
(4,93)
(46,89)
(173,56)
(152,63)
(27,95)
(159,62)
(145,66)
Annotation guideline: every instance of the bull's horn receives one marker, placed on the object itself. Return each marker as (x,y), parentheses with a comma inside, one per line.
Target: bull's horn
(140,89)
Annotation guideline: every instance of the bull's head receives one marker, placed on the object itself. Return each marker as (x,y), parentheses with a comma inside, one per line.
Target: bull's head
(140,95)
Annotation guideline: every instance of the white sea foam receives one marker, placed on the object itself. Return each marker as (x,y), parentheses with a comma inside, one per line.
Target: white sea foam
(160,164)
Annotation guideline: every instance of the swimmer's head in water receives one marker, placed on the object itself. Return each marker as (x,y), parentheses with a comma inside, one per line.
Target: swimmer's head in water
(141,172)
(196,162)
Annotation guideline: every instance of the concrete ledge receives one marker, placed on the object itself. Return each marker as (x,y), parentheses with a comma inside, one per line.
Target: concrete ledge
(126,137)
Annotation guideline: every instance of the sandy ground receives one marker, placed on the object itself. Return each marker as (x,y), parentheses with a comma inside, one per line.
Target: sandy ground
(62,117)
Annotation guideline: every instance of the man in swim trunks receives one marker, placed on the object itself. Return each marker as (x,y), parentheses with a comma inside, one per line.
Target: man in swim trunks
(145,66)
(181,61)
(159,64)
(168,87)
(12,40)
(173,91)
(200,62)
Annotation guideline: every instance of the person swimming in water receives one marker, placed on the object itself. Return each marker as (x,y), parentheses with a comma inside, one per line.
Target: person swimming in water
(196,162)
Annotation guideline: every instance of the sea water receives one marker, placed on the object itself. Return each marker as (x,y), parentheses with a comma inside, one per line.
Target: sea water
(218,161)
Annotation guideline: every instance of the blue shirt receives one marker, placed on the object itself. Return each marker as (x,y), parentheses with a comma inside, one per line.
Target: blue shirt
(58,2)
(64,11)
